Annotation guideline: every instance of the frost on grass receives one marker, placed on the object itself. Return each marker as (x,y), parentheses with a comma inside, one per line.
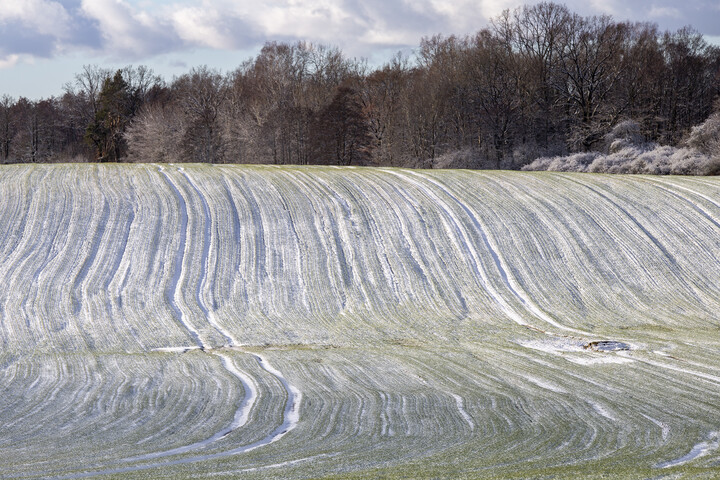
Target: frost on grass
(167,322)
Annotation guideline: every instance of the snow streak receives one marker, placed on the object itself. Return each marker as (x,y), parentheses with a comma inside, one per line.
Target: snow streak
(180,321)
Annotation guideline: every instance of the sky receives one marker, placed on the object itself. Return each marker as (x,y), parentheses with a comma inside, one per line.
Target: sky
(44,43)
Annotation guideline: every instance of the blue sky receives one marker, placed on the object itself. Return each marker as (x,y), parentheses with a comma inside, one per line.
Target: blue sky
(43,43)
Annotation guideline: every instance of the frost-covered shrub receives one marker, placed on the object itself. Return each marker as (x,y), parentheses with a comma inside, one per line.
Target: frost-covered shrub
(155,135)
(660,160)
(465,158)
(578,162)
(706,136)
(623,135)
(529,151)
(628,152)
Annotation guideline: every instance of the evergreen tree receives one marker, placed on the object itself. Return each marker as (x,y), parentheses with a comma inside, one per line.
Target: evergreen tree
(117,107)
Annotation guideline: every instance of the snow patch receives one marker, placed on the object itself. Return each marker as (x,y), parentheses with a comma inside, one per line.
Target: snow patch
(699,450)
(460,402)
(176,349)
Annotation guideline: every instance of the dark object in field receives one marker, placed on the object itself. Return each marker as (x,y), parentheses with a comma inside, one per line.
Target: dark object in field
(606,346)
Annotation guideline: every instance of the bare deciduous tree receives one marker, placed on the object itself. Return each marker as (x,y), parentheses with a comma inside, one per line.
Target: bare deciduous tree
(539,81)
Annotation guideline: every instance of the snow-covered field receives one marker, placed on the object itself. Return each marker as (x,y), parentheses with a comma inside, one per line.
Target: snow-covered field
(275,322)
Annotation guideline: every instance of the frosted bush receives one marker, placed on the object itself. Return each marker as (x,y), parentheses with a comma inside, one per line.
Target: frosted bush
(660,160)
(706,136)
(623,135)
(629,153)
(465,158)
(578,162)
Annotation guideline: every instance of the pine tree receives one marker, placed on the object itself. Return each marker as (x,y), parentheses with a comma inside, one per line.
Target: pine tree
(117,107)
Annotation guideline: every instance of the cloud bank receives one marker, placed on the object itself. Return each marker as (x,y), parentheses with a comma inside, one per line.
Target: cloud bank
(131,30)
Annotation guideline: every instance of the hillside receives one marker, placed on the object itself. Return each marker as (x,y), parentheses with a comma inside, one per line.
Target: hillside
(162,321)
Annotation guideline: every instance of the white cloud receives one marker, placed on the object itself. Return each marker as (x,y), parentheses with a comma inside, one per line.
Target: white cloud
(47,17)
(618,9)
(138,29)
(126,30)
(201,26)
(713,39)
(658,12)
(319,19)
(9,61)
(489,8)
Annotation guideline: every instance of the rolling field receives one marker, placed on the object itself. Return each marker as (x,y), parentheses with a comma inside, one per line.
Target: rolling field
(166,321)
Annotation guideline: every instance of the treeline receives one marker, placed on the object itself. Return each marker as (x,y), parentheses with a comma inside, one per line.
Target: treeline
(539,81)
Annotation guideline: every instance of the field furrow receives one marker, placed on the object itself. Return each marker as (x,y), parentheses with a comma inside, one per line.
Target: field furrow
(203,321)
